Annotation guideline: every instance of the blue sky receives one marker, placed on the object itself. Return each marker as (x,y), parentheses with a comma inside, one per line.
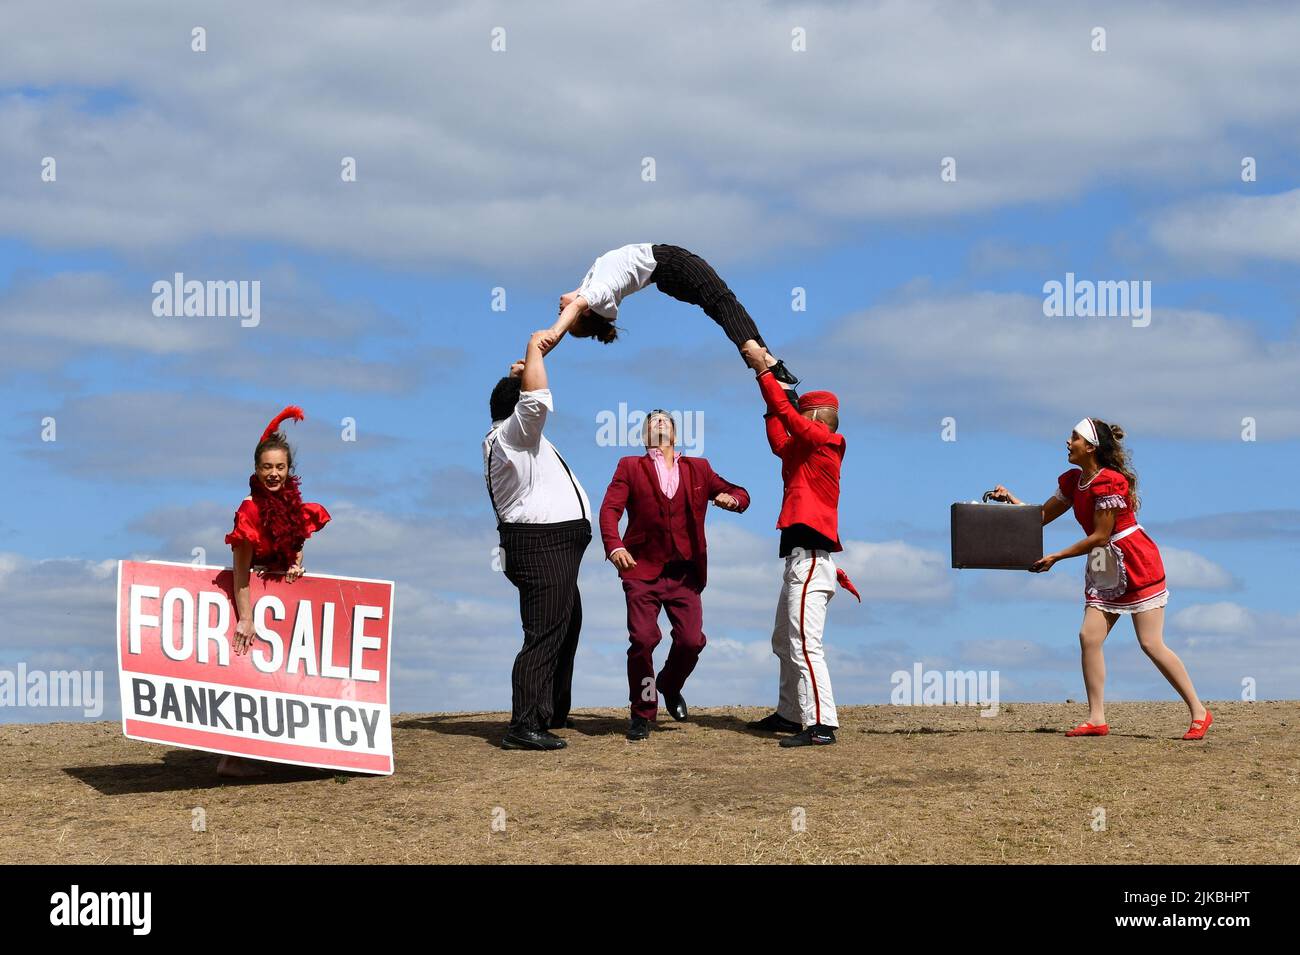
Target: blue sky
(815,169)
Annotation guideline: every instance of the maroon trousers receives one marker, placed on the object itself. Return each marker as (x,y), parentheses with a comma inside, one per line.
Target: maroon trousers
(677,591)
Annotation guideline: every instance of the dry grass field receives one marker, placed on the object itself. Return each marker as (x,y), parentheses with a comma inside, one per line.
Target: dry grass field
(904,784)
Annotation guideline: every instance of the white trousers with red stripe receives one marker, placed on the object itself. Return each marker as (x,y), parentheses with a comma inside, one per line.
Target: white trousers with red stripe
(806,591)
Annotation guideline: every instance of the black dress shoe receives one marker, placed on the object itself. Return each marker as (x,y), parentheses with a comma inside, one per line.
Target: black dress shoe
(775,723)
(675,703)
(639,729)
(815,735)
(529,737)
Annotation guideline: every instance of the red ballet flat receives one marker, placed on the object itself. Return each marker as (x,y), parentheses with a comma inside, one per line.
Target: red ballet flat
(1087,729)
(1199,727)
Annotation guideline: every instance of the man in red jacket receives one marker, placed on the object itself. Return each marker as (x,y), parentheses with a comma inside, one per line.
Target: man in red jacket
(662,561)
(807,441)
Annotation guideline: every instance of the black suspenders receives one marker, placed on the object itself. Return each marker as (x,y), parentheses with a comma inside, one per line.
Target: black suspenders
(576,493)
(487,477)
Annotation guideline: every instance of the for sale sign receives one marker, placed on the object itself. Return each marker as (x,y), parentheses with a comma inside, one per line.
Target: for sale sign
(312,690)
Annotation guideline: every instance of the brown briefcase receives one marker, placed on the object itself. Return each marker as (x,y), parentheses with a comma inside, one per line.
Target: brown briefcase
(996,536)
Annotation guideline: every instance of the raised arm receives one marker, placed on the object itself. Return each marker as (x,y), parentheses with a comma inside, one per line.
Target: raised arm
(777,437)
(534,377)
(802,430)
(570,313)
(523,429)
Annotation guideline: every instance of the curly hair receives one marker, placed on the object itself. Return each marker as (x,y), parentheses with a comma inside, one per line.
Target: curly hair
(1111,453)
(283,524)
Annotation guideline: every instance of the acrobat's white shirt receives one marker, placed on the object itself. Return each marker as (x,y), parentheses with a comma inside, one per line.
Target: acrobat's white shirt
(615,274)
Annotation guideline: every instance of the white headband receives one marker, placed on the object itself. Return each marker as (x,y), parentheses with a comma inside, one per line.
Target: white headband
(1088,431)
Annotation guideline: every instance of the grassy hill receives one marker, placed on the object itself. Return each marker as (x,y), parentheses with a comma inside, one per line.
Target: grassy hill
(904,784)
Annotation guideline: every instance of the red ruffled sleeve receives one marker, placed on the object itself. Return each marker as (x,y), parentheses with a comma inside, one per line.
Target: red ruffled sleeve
(1066,483)
(247,526)
(315,515)
(1109,490)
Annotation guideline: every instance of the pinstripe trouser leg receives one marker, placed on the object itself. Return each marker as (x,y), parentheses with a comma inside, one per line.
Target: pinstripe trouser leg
(542,561)
(688,278)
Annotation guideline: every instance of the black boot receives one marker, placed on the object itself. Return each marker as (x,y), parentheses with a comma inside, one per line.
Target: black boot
(530,737)
(775,723)
(639,729)
(815,735)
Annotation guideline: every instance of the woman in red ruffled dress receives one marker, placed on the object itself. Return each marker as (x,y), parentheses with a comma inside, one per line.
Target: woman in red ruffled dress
(1124,573)
(271,526)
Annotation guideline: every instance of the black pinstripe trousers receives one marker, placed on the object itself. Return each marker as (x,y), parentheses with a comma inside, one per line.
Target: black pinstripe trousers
(688,278)
(542,561)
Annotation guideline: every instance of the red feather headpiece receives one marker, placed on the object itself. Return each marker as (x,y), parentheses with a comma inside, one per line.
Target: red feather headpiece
(293,411)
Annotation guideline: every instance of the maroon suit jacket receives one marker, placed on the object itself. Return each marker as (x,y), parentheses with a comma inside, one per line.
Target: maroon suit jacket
(635,487)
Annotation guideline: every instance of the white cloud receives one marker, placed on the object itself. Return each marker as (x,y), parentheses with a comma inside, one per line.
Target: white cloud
(52,320)
(1230,643)
(469,156)
(996,363)
(897,571)
(1193,571)
(160,435)
(1223,617)
(1234,227)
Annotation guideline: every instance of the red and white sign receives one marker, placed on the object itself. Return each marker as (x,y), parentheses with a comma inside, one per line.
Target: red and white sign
(312,690)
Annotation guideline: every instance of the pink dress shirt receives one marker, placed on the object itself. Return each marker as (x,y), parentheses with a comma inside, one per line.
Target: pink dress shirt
(669,477)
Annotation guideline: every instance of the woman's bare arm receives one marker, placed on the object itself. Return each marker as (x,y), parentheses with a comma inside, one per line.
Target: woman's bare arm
(243,598)
(1052,508)
(1102,529)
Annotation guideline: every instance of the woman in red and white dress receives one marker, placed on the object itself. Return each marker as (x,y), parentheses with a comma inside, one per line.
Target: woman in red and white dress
(271,526)
(1124,573)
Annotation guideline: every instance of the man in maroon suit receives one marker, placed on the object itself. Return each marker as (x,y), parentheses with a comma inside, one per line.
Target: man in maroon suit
(662,561)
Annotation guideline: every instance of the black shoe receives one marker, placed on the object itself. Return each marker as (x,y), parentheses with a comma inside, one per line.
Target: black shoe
(675,704)
(639,729)
(783,374)
(815,735)
(561,724)
(776,723)
(529,737)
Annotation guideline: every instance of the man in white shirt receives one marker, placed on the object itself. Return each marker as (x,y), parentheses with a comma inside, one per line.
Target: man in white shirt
(544,521)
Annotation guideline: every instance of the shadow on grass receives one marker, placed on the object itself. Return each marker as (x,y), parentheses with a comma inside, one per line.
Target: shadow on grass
(183,769)
(948,731)
(465,724)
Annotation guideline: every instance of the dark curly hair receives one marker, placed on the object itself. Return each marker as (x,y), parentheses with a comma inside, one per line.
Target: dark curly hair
(1114,455)
(591,325)
(283,524)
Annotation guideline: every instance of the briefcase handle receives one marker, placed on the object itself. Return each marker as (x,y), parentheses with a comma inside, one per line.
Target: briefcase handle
(987,496)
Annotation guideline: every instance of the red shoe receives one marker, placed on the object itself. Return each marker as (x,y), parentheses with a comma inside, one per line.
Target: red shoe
(1087,729)
(1199,727)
